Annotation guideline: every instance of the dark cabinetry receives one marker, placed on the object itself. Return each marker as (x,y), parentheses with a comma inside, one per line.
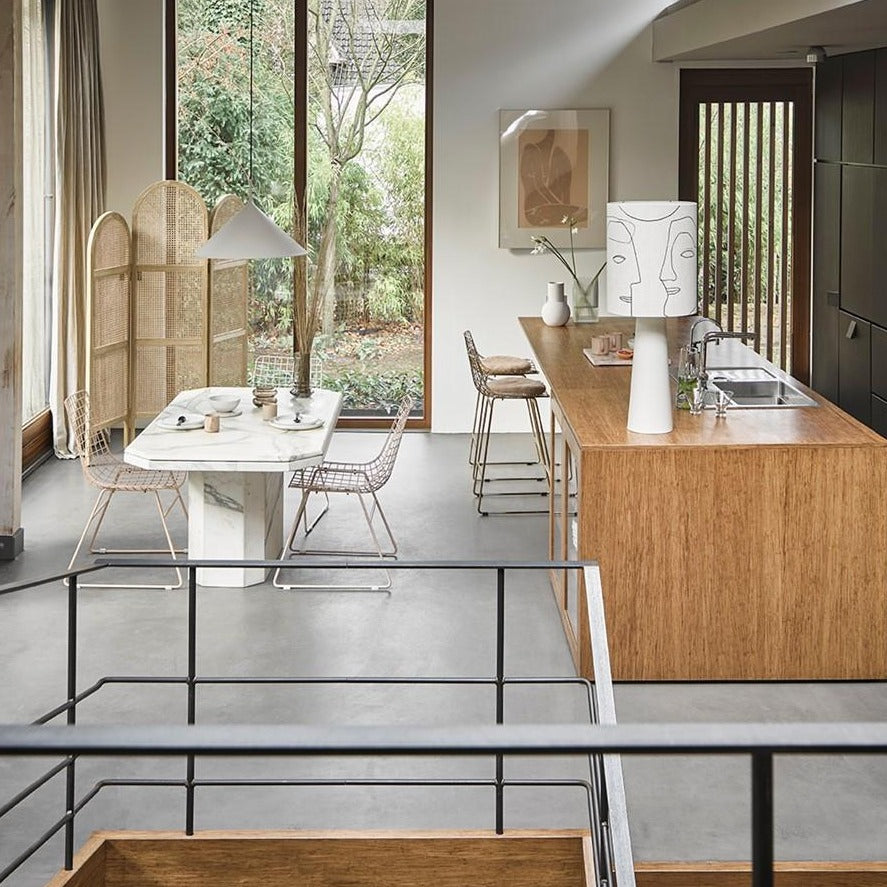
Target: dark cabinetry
(849,232)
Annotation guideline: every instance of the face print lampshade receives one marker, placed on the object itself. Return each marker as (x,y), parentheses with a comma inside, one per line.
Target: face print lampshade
(651,275)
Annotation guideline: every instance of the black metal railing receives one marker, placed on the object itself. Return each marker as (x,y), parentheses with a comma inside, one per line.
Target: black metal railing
(595,787)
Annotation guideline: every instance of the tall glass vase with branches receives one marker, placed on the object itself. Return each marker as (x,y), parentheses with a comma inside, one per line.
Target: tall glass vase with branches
(307,307)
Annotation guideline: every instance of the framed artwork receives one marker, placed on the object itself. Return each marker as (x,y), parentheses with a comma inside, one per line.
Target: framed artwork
(553,171)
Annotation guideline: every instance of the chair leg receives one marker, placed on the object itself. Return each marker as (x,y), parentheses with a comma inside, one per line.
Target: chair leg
(472,442)
(96,518)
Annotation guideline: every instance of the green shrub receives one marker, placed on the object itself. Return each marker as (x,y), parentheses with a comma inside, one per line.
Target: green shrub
(377,391)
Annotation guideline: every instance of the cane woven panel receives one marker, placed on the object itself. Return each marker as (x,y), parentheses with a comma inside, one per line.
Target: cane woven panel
(107,311)
(169,296)
(228,292)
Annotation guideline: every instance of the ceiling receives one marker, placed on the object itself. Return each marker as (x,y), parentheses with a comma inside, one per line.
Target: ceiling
(852,27)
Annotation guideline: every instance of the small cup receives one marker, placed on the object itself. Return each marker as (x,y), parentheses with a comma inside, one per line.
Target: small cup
(211,424)
(269,411)
(615,341)
(600,345)
(722,402)
(697,400)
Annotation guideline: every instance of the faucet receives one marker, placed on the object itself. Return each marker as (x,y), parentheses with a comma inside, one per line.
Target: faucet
(717,336)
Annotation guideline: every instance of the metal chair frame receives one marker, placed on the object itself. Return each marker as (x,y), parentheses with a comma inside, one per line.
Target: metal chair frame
(362,479)
(486,399)
(110,474)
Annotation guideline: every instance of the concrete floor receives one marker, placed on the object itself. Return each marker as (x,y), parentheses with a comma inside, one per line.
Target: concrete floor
(431,624)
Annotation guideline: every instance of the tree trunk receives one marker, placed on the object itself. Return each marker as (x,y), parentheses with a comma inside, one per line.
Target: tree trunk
(325,273)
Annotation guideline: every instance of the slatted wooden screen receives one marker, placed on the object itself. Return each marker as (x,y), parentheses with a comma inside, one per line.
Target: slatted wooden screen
(746,158)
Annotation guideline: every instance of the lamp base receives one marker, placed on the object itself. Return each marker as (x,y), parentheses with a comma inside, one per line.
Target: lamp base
(650,406)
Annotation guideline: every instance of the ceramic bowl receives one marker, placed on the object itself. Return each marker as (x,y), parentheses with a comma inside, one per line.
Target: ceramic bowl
(224,403)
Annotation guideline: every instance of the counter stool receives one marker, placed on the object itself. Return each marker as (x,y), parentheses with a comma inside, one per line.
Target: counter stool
(491,388)
(496,365)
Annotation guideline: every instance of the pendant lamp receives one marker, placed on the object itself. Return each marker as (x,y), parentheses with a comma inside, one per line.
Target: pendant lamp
(250,234)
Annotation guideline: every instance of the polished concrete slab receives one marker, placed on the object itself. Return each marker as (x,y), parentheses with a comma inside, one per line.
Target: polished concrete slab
(430,624)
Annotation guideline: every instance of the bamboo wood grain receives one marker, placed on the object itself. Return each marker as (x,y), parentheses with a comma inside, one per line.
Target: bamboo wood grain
(747,548)
(380,860)
(788,874)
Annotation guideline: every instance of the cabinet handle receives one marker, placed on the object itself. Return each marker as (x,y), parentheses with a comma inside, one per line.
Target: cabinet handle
(851,329)
(833,298)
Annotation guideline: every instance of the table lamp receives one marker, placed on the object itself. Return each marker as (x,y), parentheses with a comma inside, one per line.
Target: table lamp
(651,275)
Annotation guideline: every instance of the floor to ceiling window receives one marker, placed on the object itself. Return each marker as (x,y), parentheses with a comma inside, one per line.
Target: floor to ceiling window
(339,124)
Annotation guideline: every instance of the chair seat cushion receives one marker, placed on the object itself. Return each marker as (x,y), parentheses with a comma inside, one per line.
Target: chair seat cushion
(516,386)
(506,365)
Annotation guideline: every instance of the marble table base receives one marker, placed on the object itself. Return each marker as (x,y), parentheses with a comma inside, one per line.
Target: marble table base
(234,516)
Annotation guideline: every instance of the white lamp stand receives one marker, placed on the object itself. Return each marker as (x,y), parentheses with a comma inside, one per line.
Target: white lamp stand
(650,404)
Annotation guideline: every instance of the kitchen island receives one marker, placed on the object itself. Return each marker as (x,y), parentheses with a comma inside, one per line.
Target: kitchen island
(749,547)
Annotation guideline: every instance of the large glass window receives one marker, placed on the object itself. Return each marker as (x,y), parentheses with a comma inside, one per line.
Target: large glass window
(362,66)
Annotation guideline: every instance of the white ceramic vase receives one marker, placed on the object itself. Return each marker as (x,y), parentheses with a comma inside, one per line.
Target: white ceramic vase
(555,311)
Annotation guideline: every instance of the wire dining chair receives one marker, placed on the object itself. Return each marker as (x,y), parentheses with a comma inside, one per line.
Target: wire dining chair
(110,474)
(362,479)
(278,370)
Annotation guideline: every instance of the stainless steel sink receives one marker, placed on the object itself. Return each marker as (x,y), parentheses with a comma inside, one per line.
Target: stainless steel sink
(764,391)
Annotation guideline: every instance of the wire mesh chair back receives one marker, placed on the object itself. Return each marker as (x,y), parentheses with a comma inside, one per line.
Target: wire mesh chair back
(279,370)
(94,449)
(478,376)
(379,470)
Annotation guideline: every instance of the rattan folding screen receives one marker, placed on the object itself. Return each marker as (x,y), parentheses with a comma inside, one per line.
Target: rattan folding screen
(170,347)
(161,320)
(228,285)
(108,271)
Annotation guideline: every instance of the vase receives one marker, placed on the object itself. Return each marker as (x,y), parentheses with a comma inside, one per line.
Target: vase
(302,380)
(555,311)
(585,300)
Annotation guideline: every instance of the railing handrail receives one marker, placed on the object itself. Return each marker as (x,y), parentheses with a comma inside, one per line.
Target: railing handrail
(505,739)
(104,563)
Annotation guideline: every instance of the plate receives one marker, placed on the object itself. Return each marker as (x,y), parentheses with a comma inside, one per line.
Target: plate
(235,412)
(190,423)
(286,423)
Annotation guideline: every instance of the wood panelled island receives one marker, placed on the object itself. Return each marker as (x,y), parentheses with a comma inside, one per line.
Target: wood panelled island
(750,547)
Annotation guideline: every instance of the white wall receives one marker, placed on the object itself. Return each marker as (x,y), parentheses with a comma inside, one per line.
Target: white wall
(528,54)
(131,35)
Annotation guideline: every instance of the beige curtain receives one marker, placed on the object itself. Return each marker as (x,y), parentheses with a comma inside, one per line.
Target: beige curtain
(34,315)
(79,196)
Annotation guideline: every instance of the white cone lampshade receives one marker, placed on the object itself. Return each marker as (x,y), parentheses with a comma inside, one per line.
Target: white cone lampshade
(250,235)
(651,275)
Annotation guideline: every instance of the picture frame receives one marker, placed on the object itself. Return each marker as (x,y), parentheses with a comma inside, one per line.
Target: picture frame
(553,165)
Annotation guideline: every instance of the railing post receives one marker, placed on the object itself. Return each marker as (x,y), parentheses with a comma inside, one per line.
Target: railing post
(762,819)
(192,694)
(71,720)
(500,692)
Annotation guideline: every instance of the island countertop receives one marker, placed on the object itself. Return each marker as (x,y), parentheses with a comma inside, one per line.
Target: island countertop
(745,548)
(594,399)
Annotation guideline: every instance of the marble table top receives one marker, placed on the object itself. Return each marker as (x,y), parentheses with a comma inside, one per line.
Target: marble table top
(243,443)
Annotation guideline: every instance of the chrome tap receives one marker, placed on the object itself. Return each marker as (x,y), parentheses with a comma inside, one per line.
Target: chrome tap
(716,336)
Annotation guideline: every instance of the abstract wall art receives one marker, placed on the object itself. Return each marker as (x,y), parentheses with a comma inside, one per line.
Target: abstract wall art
(553,175)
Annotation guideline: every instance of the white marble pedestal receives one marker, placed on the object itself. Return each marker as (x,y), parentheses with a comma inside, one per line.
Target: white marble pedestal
(234,516)
(236,475)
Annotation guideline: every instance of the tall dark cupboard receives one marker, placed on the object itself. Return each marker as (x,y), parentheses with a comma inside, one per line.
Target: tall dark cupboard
(849,341)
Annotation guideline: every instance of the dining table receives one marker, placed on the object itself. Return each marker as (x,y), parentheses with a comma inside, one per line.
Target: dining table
(235,476)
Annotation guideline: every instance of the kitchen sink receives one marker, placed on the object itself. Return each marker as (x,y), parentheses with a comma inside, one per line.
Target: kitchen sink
(764,391)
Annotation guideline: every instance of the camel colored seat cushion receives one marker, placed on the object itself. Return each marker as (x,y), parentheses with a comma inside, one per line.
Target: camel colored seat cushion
(506,365)
(515,386)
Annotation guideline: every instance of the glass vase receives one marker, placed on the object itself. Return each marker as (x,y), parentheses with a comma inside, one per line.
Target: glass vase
(585,300)
(302,379)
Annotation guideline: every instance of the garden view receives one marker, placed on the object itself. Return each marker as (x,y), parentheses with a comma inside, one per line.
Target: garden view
(364,209)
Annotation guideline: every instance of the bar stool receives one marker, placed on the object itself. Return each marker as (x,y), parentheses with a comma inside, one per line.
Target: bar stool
(496,365)
(490,389)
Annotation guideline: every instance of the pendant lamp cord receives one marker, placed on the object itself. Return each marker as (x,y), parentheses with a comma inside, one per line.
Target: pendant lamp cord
(251,51)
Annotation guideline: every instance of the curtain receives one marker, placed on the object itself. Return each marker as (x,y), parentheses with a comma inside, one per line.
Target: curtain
(79,198)
(34,313)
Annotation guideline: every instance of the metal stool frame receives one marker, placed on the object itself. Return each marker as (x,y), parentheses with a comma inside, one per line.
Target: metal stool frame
(362,479)
(105,470)
(488,395)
